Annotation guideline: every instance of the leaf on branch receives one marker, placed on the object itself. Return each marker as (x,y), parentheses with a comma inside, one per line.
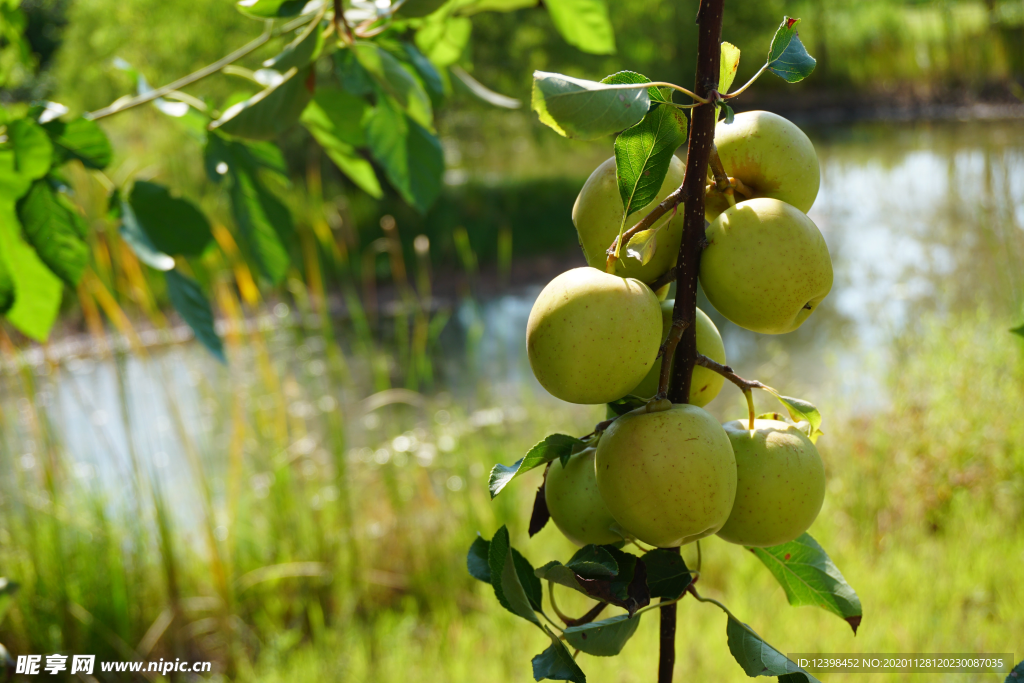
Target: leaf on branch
(584,24)
(626,404)
(505,578)
(552,447)
(627,588)
(576,108)
(56,231)
(426,70)
(33,151)
(604,638)
(799,409)
(1017,674)
(353,77)
(477,560)
(137,239)
(396,81)
(594,562)
(271,111)
(556,664)
(758,658)
(787,57)
(335,120)
(36,290)
(444,39)
(271,9)
(174,225)
(643,245)
(809,577)
(79,139)
(727,69)
(301,51)
(667,574)
(188,299)
(540,515)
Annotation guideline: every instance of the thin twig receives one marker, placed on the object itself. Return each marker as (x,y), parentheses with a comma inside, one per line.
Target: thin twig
(340,21)
(670,202)
(727,372)
(666,278)
(594,612)
(746,85)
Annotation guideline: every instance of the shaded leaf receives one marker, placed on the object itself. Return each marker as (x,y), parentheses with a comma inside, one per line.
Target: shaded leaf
(505,578)
(528,579)
(301,51)
(79,139)
(271,111)
(788,58)
(667,574)
(540,515)
(582,109)
(136,238)
(271,9)
(335,119)
(643,245)
(809,577)
(556,664)
(1017,675)
(55,230)
(419,8)
(728,66)
(552,447)
(353,77)
(584,24)
(730,115)
(757,657)
(477,561)
(604,638)
(37,291)
(444,39)
(626,589)
(396,81)
(471,7)
(593,562)
(33,151)
(1018,330)
(174,225)
(425,69)
(410,154)
(188,299)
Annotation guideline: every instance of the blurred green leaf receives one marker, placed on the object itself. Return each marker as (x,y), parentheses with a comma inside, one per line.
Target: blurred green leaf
(79,139)
(188,299)
(269,112)
(477,561)
(584,24)
(667,574)
(471,7)
(301,51)
(787,57)
(593,562)
(410,154)
(757,657)
(553,446)
(428,73)
(136,238)
(55,230)
(37,291)
(271,9)
(643,245)
(556,664)
(505,578)
(727,67)
(576,108)
(396,81)
(809,577)
(354,78)
(335,119)
(419,8)
(1018,330)
(173,224)
(443,40)
(604,638)
(33,151)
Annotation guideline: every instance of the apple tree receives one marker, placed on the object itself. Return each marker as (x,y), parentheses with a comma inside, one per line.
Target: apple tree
(660,472)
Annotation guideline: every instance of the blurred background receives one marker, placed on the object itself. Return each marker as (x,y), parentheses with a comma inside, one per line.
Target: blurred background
(303,512)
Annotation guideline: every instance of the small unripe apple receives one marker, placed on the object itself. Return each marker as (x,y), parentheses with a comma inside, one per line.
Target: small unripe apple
(575,504)
(592,336)
(766,266)
(780,483)
(705,384)
(668,477)
(771,155)
(597,216)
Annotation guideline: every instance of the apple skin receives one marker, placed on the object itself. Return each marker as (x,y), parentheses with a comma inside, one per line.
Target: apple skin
(772,157)
(575,504)
(766,266)
(705,384)
(592,336)
(597,215)
(668,477)
(780,485)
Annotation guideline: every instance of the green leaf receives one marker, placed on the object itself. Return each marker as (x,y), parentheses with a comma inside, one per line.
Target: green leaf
(55,230)
(477,561)
(136,238)
(188,299)
(643,154)
(410,154)
(809,577)
(396,81)
(556,572)
(6,286)
(353,77)
(471,7)
(334,118)
(798,409)
(79,139)
(174,225)
(787,58)
(627,588)
(730,115)
(552,447)
(727,67)
(604,638)
(529,580)
(667,574)
(300,52)
(593,562)
(505,578)
(587,110)
(33,150)
(419,8)
(757,657)
(1017,675)
(556,664)
(643,245)
(37,291)
(271,9)
(271,111)
(584,24)
(428,73)
(443,40)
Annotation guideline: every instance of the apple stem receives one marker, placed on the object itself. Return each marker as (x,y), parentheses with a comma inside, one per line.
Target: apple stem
(718,170)
(749,395)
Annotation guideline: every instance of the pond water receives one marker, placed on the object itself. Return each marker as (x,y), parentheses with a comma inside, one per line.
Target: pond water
(919,218)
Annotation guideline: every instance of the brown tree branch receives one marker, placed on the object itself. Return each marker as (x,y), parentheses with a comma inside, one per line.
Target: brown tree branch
(665,278)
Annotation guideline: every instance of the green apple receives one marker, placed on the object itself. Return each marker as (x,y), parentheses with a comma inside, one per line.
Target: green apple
(597,216)
(705,384)
(574,502)
(771,156)
(766,266)
(780,483)
(592,336)
(668,477)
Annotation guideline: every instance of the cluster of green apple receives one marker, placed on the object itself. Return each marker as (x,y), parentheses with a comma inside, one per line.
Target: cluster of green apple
(669,474)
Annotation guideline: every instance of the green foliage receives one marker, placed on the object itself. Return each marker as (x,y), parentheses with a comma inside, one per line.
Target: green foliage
(552,447)
(400,85)
(33,151)
(556,664)
(584,24)
(55,231)
(506,579)
(787,57)
(577,108)
(667,574)
(135,236)
(301,51)
(188,299)
(270,112)
(271,9)
(172,224)
(335,120)
(79,139)
(604,638)
(36,289)
(729,65)
(758,658)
